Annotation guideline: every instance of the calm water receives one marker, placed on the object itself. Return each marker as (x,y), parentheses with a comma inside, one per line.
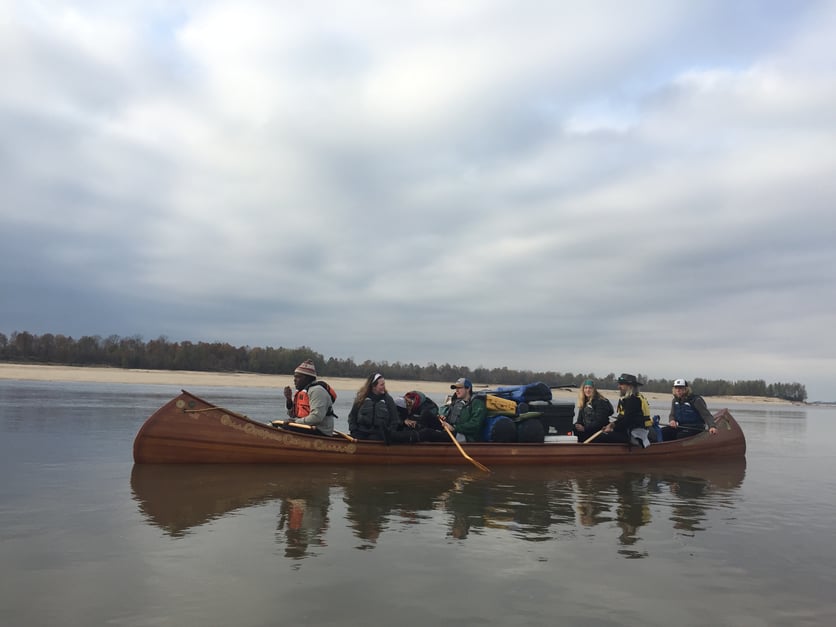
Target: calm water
(87,539)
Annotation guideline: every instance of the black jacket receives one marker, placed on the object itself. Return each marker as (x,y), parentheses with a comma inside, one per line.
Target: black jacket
(373,416)
(595,414)
(629,414)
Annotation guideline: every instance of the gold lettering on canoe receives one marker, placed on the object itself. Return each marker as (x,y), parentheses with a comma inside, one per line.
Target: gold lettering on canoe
(289,439)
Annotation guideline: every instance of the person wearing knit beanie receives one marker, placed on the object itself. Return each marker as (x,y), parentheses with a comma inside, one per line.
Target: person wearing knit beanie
(312,403)
(307,368)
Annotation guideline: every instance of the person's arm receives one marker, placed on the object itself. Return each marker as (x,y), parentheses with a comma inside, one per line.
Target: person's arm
(428,414)
(579,418)
(425,416)
(352,418)
(699,404)
(394,414)
(320,402)
(602,412)
(672,415)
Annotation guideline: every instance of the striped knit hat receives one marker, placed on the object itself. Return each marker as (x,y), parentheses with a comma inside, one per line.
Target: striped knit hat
(307,368)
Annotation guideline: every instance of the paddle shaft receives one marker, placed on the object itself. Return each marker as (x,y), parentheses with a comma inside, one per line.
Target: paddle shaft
(593,436)
(285,423)
(688,427)
(461,450)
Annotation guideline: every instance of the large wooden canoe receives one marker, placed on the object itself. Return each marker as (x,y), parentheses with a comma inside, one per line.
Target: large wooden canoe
(189,430)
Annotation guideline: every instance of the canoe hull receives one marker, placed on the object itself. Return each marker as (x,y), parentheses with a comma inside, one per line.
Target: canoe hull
(189,430)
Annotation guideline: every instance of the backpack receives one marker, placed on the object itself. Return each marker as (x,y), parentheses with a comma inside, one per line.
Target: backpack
(529,392)
(498,405)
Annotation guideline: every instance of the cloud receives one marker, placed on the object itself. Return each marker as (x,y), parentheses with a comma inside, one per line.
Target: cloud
(573,187)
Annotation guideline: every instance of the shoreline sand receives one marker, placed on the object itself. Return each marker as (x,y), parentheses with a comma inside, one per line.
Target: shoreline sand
(186,378)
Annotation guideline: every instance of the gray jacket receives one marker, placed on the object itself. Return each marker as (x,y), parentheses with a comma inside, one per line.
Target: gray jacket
(321,415)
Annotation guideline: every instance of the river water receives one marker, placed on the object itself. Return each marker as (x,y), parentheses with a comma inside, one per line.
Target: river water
(87,538)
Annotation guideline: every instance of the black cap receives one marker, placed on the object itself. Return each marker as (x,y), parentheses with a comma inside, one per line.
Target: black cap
(628,379)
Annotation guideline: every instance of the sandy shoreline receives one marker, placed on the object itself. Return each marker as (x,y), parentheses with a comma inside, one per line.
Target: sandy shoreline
(186,379)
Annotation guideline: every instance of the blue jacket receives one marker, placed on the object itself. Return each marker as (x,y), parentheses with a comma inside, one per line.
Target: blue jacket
(691,411)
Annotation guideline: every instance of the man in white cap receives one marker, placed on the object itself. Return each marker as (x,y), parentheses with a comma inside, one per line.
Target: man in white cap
(313,402)
(689,414)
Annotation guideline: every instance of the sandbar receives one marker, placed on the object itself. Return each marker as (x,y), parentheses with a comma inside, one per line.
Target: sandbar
(189,378)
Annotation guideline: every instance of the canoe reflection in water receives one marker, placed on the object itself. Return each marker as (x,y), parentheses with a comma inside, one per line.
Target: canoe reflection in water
(303,518)
(532,503)
(631,492)
(376,499)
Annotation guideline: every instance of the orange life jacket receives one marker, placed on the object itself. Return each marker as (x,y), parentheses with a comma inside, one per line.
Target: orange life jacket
(302,401)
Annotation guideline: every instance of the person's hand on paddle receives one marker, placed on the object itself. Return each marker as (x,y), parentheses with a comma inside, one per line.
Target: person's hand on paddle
(673,423)
(712,430)
(579,427)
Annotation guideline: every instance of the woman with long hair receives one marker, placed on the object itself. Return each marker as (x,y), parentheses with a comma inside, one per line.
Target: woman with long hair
(594,411)
(374,415)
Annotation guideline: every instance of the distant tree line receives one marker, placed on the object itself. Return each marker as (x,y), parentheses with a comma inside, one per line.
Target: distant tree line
(161,354)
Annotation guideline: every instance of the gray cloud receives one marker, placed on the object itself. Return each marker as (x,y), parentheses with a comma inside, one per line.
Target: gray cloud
(577,188)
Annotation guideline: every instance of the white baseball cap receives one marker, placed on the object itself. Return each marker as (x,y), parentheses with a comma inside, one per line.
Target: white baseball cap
(680,383)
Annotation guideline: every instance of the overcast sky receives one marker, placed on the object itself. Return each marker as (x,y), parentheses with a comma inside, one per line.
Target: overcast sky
(591,186)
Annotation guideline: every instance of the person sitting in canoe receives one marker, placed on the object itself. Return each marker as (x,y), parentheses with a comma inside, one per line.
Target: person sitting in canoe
(594,411)
(313,402)
(689,414)
(374,415)
(419,412)
(466,413)
(632,413)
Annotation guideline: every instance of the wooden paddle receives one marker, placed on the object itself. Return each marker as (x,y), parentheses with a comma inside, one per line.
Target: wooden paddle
(689,428)
(461,450)
(285,423)
(593,436)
